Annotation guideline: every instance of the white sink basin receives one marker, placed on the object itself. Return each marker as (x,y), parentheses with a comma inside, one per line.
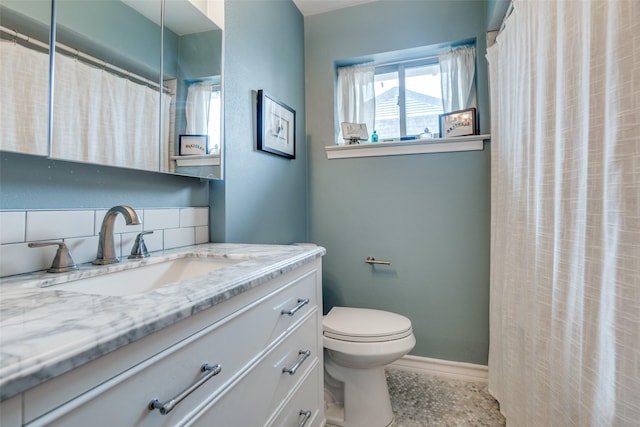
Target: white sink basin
(147,277)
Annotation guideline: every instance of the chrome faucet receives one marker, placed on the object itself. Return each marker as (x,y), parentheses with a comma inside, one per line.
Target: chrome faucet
(106,247)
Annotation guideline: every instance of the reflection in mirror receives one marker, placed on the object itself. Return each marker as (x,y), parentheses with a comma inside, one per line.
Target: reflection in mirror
(24,76)
(192,69)
(108,90)
(107,97)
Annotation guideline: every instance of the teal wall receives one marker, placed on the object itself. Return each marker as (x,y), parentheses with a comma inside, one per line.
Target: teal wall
(496,10)
(263,198)
(428,214)
(30,182)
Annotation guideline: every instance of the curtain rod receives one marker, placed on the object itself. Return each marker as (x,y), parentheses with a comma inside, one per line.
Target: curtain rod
(76,53)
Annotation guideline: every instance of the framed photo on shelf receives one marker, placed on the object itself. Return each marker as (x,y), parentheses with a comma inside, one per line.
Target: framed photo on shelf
(354,132)
(458,123)
(276,127)
(191,145)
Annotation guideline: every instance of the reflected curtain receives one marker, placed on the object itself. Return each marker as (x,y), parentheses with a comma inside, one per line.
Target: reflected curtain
(203,112)
(356,98)
(24,109)
(565,214)
(458,78)
(103,118)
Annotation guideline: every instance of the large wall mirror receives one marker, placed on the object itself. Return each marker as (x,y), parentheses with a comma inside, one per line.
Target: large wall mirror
(137,84)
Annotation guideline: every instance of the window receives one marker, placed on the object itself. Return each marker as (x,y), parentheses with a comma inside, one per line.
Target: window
(402,99)
(408,98)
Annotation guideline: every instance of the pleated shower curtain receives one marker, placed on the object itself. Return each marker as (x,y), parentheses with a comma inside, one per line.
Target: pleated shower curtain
(565,214)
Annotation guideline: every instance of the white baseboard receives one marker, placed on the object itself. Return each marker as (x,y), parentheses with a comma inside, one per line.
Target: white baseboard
(442,368)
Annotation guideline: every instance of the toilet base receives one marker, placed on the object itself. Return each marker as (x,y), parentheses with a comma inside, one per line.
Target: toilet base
(366,397)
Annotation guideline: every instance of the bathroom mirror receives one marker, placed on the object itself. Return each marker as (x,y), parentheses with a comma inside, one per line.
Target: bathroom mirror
(137,116)
(107,100)
(113,106)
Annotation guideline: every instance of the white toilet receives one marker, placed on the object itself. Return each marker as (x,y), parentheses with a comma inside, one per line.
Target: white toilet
(358,344)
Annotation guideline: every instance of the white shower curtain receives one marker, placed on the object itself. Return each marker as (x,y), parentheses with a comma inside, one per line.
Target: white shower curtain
(565,214)
(99,117)
(24,105)
(458,78)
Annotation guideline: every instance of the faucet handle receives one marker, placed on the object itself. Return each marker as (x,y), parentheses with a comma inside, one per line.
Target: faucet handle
(139,249)
(62,262)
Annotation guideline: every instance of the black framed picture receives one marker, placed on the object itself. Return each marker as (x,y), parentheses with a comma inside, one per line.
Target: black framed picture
(193,145)
(276,127)
(458,123)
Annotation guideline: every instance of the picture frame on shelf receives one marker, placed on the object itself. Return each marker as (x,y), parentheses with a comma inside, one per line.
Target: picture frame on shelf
(191,145)
(458,123)
(276,127)
(353,133)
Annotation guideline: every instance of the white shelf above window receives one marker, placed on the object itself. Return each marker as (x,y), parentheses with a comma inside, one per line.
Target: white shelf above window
(416,146)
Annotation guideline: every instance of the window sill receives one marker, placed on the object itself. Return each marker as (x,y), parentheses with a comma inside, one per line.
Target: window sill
(197,160)
(420,146)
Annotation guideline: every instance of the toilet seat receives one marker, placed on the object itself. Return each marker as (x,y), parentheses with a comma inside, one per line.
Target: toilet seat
(365,325)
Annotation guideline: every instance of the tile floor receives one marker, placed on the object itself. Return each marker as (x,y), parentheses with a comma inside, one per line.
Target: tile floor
(421,400)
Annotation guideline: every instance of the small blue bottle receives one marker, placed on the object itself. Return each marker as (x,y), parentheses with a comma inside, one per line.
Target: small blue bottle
(374,136)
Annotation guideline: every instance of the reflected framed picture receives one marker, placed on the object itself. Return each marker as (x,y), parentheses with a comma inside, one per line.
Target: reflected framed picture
(458,123)
(191,145)
(276,127)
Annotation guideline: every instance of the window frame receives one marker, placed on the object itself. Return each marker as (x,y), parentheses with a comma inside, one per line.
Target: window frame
(400,67)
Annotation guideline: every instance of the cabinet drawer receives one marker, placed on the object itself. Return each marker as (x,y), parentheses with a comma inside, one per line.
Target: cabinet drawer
(302,404)
(268,381)
(234,342)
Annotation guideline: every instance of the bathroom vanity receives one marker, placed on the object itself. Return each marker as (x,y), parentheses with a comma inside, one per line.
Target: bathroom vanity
(238,346)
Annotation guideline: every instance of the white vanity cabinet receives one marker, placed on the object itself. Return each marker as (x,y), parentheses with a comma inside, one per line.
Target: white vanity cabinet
(266,341)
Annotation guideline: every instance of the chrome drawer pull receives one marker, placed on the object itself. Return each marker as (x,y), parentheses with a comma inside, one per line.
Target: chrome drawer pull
(301,303)
(303,356)
(165,408)
(307,415)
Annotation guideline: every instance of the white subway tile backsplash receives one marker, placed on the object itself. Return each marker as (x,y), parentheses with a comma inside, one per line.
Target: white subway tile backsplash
(49,225)
(155,241)
(12,226)
(190,217)
(202,234)
(172,228)
(83,249)
(19,258)
(178,237)
(161,218)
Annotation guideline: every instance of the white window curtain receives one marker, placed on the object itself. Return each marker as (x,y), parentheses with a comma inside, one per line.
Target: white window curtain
(458,78)
(356,96)
(197,108)
(565,214)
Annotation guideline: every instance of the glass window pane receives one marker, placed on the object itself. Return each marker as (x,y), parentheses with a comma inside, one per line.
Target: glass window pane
(387,109)
(423,98)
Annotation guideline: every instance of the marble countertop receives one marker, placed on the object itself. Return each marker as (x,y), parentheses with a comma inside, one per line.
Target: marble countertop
(46,332)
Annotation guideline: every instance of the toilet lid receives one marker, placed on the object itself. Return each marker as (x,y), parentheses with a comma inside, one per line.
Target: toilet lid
(365,325)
